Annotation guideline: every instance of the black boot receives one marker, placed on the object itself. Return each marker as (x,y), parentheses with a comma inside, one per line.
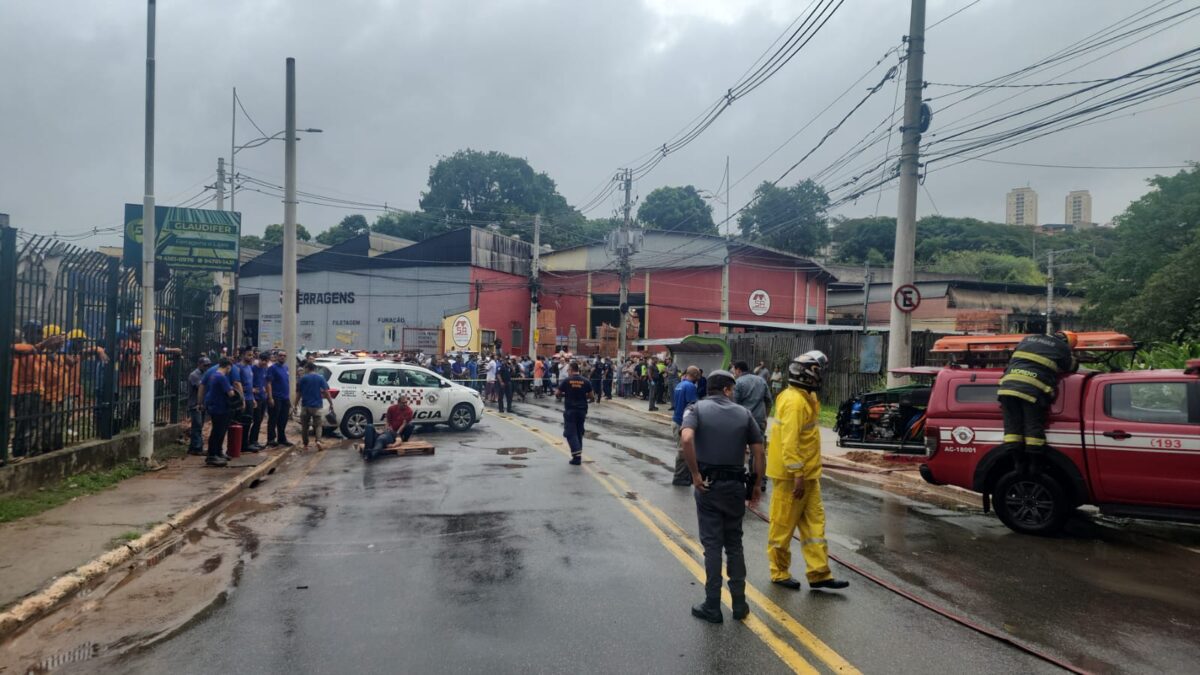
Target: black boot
(831,584)
(741,609)
(710,611)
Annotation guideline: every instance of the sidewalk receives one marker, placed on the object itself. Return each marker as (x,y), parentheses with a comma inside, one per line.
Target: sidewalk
(905,477)
(40,549)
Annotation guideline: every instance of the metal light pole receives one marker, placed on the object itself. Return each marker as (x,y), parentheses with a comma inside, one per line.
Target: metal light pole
(290,335)
(534,288)
(900,333)
(149,241)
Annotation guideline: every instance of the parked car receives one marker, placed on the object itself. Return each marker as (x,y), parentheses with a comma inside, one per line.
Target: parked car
(1126,442)
(364,388)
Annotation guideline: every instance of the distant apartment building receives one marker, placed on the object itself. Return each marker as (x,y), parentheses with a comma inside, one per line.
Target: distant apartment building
(1022,207)
(1078,210)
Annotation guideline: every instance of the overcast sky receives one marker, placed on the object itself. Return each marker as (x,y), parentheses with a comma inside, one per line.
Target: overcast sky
(578,88)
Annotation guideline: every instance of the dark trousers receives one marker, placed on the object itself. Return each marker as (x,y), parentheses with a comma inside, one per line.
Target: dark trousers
(504,395)
(608,388)
(597,387)
(653,395)
(196,442)
(719,512)
(1024,423)
(256,422)
(279,419)
(573,420)
(216,437)
(27,410)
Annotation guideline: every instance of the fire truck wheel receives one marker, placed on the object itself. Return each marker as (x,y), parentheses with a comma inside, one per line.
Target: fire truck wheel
(1031,503)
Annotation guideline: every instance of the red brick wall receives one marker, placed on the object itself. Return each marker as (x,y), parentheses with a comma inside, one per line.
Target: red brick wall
(504,300)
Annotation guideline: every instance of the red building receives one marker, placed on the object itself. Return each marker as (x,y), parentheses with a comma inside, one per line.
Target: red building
(678,276)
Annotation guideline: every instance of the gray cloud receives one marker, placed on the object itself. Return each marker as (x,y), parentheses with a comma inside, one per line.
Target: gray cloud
(578,88)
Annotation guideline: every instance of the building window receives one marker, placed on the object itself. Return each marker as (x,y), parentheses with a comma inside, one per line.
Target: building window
(517,339)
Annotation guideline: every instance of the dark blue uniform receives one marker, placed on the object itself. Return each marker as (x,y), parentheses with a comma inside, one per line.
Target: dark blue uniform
(574,390)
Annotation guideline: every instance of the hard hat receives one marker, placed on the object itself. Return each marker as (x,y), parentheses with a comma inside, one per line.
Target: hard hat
(51,330)
(1068,336)
(77,334)
(805,370)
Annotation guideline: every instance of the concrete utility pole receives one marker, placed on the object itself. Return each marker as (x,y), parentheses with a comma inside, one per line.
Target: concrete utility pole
(221,184)
(149,242)
(1050,293)
(233,155)
(623,251)
(868,276)
(290,333)
(534,287)
(900,334)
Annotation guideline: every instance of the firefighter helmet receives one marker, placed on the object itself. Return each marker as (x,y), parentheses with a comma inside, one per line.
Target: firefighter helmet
(1069,337)
(805,370)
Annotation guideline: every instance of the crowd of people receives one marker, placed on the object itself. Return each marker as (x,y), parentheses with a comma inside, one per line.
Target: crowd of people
(59,382)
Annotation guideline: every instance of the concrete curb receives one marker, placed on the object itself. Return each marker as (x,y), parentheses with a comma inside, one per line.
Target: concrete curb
(60,590)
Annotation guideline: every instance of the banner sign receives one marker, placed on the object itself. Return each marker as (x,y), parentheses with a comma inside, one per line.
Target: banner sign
(188,239)
(462,331)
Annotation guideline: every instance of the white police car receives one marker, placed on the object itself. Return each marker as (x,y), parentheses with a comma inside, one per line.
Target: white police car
(363,389)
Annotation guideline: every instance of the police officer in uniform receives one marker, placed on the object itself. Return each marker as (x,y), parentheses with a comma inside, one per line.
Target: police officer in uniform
(1029,385)
(575,391)
(716,432)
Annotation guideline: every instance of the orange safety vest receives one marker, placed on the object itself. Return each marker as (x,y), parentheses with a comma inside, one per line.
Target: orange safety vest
(54,383)
(129,375)
(27,369)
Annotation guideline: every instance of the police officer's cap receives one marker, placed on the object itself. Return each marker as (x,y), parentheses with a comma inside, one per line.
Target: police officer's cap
(719,379)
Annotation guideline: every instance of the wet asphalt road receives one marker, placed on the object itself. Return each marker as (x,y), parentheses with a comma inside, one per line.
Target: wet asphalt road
(495,555)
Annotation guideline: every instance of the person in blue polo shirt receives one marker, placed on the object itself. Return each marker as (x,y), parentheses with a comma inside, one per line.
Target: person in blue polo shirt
(279,393)
(684,395)
(217,395)
(259,391)
(313,388)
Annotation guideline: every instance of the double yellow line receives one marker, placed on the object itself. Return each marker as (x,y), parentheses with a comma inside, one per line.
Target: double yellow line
(675,539)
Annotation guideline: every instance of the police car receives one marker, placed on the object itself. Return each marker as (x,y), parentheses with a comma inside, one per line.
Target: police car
(363,389)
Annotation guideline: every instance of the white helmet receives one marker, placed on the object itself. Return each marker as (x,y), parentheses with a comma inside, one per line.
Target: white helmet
(805,370)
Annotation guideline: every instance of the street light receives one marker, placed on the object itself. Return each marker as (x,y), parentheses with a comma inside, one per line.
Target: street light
(260,141)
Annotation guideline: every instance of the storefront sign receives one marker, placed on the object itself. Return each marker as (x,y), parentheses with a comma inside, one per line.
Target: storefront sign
(760,302)
(188,239)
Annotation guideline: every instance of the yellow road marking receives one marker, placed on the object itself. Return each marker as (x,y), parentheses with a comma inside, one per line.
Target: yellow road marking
(781,648)
(811,642)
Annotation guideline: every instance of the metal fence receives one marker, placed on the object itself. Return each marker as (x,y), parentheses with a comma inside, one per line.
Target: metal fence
(69,344)
(843,377)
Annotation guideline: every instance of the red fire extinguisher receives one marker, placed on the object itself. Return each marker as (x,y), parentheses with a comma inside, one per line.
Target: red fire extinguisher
(235,441)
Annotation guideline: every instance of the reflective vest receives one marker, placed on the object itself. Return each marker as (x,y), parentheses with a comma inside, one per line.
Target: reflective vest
(1032,372)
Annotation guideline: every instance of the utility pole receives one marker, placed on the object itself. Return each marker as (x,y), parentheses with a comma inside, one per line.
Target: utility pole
(290,335)
(867,278)
(233,155)
(1050,293)
(149,246)
(900,333)
(623,251)
(221,184)
(728,180)
(534,287)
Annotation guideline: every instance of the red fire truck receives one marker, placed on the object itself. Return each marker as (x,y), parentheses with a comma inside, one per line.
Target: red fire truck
(1127,442)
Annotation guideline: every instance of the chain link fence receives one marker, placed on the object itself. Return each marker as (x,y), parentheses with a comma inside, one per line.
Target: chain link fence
(70,320)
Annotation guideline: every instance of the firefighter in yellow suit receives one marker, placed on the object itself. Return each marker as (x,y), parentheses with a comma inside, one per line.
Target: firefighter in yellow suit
(794,467)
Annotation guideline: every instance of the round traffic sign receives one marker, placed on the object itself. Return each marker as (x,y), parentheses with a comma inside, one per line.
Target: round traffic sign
(907,298)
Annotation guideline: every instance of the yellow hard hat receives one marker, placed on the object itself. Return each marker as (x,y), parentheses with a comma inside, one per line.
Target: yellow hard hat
(77,334)
(51,330)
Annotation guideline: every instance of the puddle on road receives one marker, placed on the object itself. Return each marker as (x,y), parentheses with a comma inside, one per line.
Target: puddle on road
(514,451)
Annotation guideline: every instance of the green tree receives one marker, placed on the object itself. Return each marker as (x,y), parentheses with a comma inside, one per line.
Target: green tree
(350,227)
(1167,308)
(679,209)
(482,187)
(414,225)
(857,238)
(1151,235)
(989,266)
(252,241)
(273,235)
(792,219)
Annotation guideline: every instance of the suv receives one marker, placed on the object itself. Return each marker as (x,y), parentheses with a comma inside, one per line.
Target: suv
(1127,442)
(364,388)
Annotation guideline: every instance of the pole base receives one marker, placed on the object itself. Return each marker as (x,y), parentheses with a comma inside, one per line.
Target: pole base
(150,464)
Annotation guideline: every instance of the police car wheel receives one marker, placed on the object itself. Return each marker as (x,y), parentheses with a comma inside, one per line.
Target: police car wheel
(462,417)
(355,422)
(1031,503)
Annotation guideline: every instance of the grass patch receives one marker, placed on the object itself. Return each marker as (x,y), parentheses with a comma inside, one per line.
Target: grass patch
(124,538)
(30,504)
(828,416)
